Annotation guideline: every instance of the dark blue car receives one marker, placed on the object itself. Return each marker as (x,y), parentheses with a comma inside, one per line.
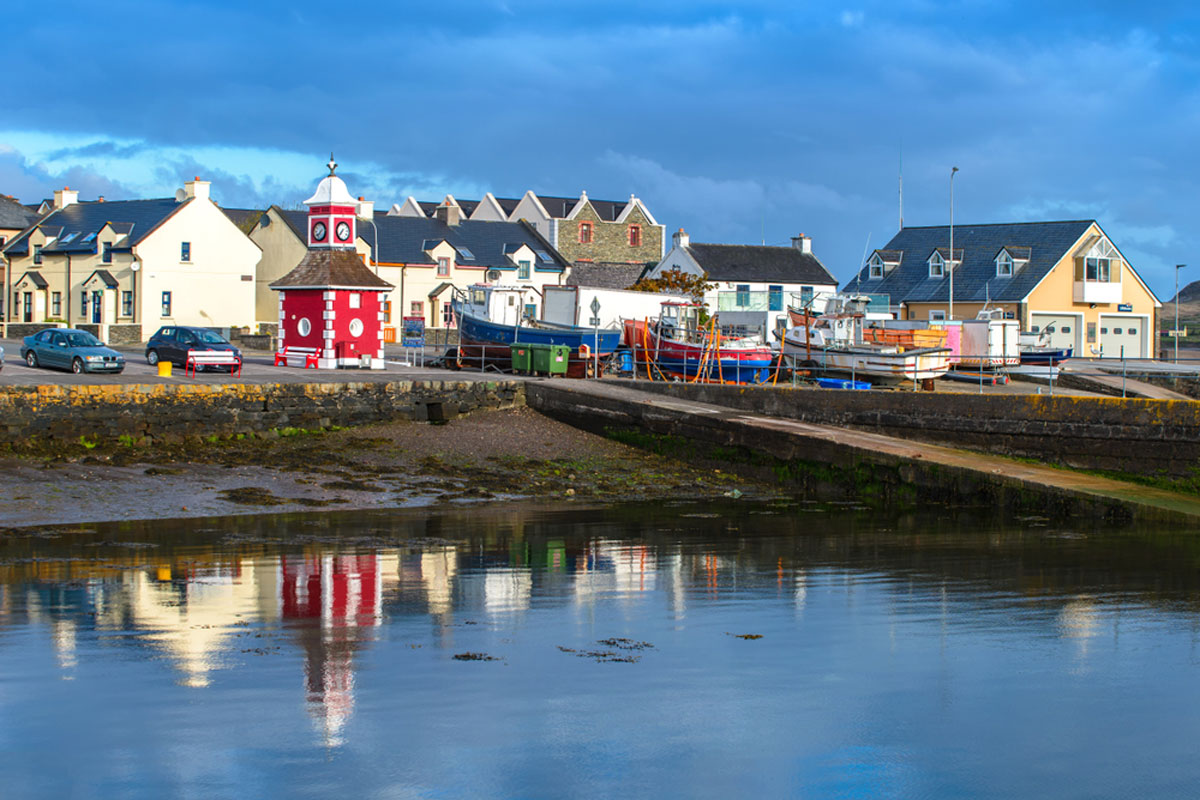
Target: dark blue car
(67,348)
(172,343)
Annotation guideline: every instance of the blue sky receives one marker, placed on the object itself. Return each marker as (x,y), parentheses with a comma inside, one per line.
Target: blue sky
(737,121)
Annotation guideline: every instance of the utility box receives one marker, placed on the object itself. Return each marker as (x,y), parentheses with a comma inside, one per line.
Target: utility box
(521,357)
(550,359)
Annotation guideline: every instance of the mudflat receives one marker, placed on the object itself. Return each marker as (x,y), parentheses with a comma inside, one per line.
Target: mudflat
(485,456)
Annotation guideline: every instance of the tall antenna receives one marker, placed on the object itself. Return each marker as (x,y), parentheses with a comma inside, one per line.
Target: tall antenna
(902,186)
(866,249)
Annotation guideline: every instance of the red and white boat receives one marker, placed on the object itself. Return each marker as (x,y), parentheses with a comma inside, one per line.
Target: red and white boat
(677,345)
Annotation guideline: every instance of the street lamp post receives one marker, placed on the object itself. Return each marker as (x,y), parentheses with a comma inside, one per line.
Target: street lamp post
(950,315)
(1177,268)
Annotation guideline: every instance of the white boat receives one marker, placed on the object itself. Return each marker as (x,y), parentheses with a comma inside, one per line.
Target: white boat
(833,344)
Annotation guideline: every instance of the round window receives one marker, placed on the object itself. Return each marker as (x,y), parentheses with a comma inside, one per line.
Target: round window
(304,327)
(356,327)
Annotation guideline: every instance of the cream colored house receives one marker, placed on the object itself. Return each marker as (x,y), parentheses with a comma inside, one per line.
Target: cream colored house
(1067,278)
(124,268)
(424,258)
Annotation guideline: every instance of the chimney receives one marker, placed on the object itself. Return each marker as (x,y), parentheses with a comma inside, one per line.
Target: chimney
(366,209)
(802,243)
(196,188)
(65,197)
(448,212)
(681,239)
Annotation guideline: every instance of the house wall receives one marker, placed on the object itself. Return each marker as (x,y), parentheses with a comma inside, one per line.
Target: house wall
(215,288)
(66,275)
(282,250)
(610,240)
(920,311)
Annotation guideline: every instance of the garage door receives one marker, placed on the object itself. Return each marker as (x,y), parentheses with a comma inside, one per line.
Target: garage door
(1117,331)
(1064,329)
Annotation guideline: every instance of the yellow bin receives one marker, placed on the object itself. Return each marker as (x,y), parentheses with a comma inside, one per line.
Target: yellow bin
(164,369)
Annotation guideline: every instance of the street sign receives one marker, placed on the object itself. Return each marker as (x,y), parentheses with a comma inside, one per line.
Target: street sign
(413,332)
(1125,307)
(595,307)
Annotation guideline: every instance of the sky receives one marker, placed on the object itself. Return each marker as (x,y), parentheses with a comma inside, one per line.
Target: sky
(740,122)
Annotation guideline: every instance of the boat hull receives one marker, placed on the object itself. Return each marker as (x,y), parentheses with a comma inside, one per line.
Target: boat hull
(880,364)
(1046,356)
(738,363)
(482,342)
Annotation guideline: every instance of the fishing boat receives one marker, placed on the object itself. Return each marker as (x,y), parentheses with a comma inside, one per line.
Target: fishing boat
(1035,350)
(491,318)
(833,343)
(678,345)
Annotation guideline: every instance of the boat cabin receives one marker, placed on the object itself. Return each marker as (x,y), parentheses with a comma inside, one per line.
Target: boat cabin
(503,305)
(680,321)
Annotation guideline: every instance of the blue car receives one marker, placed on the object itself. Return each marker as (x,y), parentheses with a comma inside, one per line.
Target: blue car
(67,348)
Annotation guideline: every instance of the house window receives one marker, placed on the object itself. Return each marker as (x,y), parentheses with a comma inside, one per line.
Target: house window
(417,309)
(387,311)
(56,303)
(743,294)
(185,251)
(1004,266)
(107,253)
(937,267)
(443,269)
(1091,332)
(876,270)
(1097,269)
(127,304)
(775,298)
(585,233)
(530,311)
(635,235)
(355,300)
(83,304)
(166,304)
(447,315)
(523,271)
(806,296)
(937,315)
(37,254)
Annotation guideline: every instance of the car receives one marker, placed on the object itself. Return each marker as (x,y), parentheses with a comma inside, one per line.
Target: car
(68,348)
(172,343)
(1,358)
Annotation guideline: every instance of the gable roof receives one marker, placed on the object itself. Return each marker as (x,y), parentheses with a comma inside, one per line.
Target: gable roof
(75,227)
(759,264)
(557,207)
(604,275)
(14,215)
(975,279)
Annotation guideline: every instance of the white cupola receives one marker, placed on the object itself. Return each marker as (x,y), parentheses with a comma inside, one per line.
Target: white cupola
(332,212)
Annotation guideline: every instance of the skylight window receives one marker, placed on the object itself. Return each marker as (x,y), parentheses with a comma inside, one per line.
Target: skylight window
(465,253)
(88,238)
(544,256)
(69,237)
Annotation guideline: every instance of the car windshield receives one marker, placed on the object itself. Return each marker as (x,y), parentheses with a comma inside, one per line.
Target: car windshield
(208,337)
(83,339)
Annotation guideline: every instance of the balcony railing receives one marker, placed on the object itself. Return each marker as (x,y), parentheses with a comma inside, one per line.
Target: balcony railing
(1097,292)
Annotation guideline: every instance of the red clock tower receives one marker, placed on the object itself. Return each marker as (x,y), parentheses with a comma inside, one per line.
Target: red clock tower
(331,303)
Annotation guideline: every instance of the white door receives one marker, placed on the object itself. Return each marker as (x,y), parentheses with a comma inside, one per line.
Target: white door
(1117,331)
(1064,329)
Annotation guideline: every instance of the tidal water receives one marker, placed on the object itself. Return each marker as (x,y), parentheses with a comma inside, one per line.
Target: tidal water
(736,650)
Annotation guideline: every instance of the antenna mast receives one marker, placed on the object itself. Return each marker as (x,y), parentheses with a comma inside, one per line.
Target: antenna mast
(901,187)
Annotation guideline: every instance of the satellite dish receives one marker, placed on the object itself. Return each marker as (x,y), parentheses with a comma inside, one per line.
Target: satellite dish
(180,195)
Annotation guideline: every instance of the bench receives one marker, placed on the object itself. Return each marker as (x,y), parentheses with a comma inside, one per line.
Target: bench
(309,354)
(211,358)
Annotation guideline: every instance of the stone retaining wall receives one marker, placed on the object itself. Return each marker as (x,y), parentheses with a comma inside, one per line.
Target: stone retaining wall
(42,415)
(19,330)
(1134,436)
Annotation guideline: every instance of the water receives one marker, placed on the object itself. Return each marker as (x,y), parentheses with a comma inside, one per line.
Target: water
(313,656)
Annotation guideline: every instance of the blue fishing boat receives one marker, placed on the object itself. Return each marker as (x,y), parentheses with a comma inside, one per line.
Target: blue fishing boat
(491,318)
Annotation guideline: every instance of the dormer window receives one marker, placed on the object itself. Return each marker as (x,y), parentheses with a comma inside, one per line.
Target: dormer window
(1004,266)
(875,268)
(937,266)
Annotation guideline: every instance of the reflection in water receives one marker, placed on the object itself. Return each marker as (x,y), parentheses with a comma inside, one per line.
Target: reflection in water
(313,597)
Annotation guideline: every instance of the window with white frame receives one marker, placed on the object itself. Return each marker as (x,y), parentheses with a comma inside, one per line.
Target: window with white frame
(1099,260)
(937,266)
(523,271)
(876,268)
(937,315)
(1004,266)
(443,267)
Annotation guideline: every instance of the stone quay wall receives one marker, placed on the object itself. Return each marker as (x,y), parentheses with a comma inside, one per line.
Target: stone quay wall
(43,415)
(1136,436)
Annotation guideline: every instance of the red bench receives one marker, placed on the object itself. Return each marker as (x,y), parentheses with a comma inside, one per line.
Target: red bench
(211,358)
(309,354)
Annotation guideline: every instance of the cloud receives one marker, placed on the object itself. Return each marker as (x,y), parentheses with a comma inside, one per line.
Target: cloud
(851,19)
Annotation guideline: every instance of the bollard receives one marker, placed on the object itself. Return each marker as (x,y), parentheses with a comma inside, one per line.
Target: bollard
(164,369)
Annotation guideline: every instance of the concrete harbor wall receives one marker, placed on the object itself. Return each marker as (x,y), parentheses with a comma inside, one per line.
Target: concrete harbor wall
(1133,435)
(42,415)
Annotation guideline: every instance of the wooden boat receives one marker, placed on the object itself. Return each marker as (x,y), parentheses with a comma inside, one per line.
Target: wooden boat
(491,318)
(904,334)
(833,343)
(677,345)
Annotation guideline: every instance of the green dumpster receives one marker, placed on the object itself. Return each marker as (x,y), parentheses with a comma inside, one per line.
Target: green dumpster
(550,359)
(521,357)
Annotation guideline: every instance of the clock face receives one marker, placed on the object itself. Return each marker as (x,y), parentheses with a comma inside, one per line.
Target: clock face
(319,232)
(343,231)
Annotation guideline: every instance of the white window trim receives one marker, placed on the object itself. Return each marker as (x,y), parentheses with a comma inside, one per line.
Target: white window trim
(937,315)
(1004,259)
(875,271)
(937,266)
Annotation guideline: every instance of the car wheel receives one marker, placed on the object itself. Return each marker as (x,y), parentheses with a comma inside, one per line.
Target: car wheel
(77,365)
(31,358)
(152,357)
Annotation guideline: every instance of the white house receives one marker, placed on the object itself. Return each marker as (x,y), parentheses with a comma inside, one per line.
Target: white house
(754,284)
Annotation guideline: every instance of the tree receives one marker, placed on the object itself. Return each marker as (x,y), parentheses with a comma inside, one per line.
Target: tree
(676,281)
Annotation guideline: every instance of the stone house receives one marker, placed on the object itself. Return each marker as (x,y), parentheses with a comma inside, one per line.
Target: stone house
(122,269)
(1065,277)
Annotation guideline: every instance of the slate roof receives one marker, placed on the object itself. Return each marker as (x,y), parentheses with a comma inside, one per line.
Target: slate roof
(15,215)
(136,217)
(35,277)
(331,267)
(105,277)
(605,275)
(975,279)
(243,217)
(558,207)
(759,264)
(404,240)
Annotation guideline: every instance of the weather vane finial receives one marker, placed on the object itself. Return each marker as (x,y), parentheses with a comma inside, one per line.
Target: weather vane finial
(332,164)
